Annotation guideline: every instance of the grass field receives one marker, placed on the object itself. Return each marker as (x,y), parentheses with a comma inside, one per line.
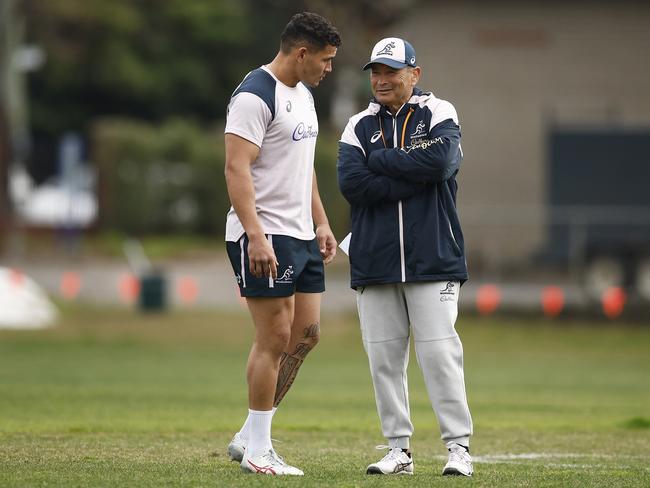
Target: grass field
(113,398)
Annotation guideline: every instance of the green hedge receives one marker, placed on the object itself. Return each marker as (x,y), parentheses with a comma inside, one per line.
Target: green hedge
(336,206)
(169,178)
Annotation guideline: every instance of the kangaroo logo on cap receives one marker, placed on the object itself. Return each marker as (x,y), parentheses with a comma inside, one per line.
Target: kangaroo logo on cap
(387,49)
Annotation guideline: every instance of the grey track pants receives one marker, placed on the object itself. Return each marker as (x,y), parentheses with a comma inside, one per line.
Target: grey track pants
(387,314)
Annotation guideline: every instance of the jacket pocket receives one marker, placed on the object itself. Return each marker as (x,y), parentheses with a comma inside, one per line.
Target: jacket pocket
(454,243)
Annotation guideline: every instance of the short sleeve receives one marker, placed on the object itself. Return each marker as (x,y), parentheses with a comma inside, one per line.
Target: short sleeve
(248,117)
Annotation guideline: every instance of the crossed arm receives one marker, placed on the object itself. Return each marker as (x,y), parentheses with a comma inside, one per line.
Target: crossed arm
(389,175)
(430,160)
(362,186)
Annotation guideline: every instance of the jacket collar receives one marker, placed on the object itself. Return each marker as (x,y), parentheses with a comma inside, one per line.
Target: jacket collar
(418,98)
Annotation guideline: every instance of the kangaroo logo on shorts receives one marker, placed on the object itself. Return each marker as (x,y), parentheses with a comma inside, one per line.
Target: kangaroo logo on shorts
(286,276)
(447,293)
(238,278)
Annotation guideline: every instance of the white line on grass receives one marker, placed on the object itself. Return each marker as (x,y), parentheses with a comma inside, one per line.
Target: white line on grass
(521,458)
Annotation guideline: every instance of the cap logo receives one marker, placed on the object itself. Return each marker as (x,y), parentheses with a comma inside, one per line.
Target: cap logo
(412,59)
(387,49)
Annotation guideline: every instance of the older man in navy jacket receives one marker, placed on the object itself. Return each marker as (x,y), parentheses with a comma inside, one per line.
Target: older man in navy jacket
(397,167)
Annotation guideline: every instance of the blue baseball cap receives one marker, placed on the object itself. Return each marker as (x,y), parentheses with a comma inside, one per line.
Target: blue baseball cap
(394,52)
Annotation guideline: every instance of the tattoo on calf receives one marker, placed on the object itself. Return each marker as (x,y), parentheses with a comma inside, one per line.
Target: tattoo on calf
(289,364)
(312,331)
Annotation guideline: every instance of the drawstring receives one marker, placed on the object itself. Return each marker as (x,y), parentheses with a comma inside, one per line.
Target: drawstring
(381,129)
(404,126)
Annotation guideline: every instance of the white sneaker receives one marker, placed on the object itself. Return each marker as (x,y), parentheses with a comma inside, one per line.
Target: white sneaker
(268,463)
(460,462)
(395,462)
(236,448)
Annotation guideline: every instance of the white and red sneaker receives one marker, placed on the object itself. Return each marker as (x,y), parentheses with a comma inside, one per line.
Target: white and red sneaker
(460,462)
(236,448)
(268,463)
(397,461)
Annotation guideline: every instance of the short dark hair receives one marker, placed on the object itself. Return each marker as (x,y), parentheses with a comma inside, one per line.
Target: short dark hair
(310,28)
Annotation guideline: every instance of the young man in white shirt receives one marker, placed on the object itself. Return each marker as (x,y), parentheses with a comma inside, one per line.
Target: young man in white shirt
(277,257)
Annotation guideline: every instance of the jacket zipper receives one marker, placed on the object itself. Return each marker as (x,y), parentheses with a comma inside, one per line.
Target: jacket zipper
(399,203)
(402,259)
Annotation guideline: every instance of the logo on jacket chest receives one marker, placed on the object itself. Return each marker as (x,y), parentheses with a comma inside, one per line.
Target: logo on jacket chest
(422,144)
(418,133)
(420,130)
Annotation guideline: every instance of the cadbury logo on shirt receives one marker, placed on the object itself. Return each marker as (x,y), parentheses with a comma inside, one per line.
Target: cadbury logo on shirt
(301,132)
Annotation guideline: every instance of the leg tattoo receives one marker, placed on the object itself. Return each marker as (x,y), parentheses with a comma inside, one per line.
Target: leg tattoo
(312,331)
(290,363)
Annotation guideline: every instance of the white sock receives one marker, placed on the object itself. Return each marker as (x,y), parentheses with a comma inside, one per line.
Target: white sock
(259,440)
(245,431)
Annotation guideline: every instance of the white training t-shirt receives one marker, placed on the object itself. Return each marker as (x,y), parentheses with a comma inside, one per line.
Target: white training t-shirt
(282,121)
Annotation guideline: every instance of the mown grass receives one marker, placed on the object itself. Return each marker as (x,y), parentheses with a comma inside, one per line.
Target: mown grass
(114,398)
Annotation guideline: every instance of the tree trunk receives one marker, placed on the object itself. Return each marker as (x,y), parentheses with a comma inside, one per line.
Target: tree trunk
(5,16)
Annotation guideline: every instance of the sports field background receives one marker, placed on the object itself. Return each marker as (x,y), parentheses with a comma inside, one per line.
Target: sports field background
(111,397)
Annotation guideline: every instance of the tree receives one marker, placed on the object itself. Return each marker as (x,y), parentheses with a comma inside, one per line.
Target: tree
(141,58)
(7,41)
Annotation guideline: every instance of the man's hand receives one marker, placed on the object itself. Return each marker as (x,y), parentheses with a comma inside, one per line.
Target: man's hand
(261,257)
(326,243)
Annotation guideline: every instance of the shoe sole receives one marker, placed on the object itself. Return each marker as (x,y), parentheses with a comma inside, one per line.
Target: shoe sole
(248,471)
(375,470)
(454,472)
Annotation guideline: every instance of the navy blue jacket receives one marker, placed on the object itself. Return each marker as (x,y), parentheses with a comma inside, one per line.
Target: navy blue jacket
(399,175)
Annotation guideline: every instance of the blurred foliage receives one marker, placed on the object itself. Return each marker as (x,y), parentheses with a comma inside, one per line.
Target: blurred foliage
(338,210)
(157,179)
(169,178)
(147,59)
(110,244)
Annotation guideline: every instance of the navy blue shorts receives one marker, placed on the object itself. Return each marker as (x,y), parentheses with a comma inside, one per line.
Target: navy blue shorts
(300,270)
